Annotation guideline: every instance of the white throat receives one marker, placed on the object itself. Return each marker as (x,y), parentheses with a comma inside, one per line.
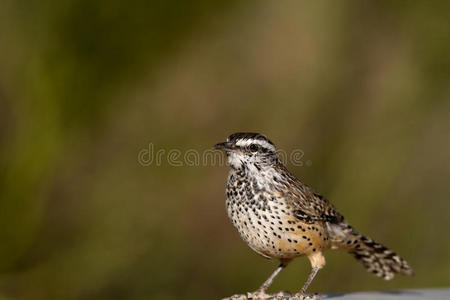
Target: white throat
(235,160)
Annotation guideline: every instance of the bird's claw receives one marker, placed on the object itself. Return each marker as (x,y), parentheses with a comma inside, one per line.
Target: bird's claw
(262,295)
(302,296)
(258,294)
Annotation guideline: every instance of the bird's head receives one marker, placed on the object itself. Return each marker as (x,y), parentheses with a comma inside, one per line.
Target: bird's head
(249,150)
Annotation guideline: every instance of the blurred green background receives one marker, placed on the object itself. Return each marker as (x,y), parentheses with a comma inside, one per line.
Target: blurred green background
(362,88)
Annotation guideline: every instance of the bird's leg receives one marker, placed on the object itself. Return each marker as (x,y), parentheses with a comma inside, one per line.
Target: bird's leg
(310,279)
(317,262)
(269,280)
(261,292)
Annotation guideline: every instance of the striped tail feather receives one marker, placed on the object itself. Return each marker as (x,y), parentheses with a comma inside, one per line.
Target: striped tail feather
(376,258)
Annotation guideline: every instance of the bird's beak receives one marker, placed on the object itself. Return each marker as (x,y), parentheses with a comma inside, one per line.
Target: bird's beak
(223,146)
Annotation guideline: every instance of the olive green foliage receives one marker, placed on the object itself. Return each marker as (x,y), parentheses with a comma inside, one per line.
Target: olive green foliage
(362,88)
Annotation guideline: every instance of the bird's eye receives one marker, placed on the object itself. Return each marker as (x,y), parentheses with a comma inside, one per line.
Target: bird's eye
(253,147)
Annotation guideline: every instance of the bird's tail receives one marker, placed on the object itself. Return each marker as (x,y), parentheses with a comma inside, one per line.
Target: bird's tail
(375,257)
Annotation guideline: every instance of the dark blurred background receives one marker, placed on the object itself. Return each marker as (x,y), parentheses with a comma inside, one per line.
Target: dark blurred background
(362,88)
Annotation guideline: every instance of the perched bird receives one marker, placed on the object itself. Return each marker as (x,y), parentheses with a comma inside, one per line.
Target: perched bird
(280,217)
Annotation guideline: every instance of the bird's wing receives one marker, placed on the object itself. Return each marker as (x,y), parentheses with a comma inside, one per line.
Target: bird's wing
(309,206)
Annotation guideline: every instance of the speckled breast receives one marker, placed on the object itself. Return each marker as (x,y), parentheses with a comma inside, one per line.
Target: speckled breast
(266,223)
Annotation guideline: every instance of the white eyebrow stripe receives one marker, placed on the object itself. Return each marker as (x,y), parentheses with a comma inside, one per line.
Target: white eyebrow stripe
(248,142)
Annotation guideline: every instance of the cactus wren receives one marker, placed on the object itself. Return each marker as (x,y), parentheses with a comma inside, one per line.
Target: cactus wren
(280,217)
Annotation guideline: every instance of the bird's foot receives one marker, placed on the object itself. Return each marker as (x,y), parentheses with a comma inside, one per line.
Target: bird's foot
(258,294)
(283,295)
(262,295)
(302,296)
(237,297)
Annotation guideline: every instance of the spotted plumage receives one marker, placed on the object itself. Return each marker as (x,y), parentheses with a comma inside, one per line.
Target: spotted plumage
(280,217)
